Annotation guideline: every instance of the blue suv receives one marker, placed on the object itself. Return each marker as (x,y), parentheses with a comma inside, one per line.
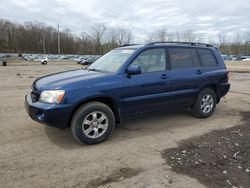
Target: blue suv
(129,81)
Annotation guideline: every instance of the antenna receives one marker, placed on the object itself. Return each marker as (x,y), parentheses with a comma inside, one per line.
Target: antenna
(58,39)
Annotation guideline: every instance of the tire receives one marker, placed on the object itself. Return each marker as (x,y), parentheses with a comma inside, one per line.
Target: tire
(92,123)
(205,103)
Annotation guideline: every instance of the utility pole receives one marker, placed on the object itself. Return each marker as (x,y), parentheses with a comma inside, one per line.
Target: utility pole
(58,39)
(44,49)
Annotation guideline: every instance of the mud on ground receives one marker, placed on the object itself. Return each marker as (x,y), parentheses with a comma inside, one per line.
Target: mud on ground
(218,159)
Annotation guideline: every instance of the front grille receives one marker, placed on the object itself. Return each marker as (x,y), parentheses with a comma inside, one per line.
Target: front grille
(34,94)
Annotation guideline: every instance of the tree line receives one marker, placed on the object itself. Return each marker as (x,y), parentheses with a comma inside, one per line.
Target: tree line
(35,37)
(237,44)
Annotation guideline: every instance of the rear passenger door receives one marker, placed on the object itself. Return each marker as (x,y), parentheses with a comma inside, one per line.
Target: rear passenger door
(209,74)
(185,80)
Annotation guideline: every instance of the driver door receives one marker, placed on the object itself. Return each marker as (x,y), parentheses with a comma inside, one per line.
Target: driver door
(149,90)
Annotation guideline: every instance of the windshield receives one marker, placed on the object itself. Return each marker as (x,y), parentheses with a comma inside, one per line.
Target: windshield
(111,61)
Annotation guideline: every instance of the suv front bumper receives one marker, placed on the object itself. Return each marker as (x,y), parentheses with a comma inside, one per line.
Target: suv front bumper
(56,115)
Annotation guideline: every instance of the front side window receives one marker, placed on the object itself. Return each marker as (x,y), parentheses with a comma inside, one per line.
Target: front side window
(152,60)
(207,58)
(183,58)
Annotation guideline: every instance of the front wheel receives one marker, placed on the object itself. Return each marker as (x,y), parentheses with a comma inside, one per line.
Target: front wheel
(205,103)
(92,123)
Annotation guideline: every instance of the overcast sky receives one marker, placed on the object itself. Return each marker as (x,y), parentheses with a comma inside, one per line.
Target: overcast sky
(140,16)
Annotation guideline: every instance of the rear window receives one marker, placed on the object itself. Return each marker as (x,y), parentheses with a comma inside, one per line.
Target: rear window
(183,58)
(207,58)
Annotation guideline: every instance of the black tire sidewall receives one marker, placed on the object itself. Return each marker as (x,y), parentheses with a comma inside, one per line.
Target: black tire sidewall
(197,105)
(79,116)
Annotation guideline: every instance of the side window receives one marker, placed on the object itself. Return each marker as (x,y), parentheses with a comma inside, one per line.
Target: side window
(152,60)
(207,58)
(183,58)
(196,60)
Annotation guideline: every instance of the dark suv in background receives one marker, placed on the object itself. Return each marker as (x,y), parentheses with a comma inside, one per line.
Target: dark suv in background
(129,81)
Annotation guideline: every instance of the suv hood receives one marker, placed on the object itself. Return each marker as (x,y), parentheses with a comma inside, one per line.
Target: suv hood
(63,79)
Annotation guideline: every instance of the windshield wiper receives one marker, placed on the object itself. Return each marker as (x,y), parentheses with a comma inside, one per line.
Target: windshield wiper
(95,70)
(98,70)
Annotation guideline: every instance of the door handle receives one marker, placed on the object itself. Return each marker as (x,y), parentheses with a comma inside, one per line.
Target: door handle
(164,76)
(199,71)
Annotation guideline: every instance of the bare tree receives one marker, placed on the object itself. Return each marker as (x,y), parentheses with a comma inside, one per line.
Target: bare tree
(163,34)
(190,36)
(223,42)
(97,32)
(222,38)
(160,35)
(124,36)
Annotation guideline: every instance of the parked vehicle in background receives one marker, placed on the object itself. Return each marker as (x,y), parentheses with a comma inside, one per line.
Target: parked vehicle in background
(44,61)
(89,61)
(234,57)
(247,59)
(241,57)
(129,81)
(81,59)
(64,58)
(226,57)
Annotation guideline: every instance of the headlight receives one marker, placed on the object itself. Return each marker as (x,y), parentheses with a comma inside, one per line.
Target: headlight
(52,96)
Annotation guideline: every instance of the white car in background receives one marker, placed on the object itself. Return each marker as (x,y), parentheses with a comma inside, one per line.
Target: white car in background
(44,61)
(247,59)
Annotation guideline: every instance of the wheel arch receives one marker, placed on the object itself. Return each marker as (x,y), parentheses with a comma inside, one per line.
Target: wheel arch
(215,88)
(103,99)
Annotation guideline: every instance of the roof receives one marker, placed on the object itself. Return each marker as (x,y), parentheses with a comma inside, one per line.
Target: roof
(171,43)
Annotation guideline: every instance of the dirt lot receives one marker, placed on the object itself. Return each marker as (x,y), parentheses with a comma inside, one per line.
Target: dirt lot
(239,66)
(34,155)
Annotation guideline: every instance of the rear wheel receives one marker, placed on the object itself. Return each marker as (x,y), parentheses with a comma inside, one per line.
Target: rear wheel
(205,103)
(92,123)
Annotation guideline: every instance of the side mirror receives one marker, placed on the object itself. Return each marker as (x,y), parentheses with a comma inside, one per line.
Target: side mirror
(133,70)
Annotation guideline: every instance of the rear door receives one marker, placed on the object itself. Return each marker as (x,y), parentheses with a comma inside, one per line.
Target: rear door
(185,75)
(149,90)
(209,71)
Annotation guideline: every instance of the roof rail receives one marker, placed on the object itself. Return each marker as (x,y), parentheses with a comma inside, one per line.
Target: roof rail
(185,43)
(128,45)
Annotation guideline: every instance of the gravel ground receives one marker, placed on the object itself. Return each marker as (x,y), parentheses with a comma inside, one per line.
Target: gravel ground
(34,155)
(218,159)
